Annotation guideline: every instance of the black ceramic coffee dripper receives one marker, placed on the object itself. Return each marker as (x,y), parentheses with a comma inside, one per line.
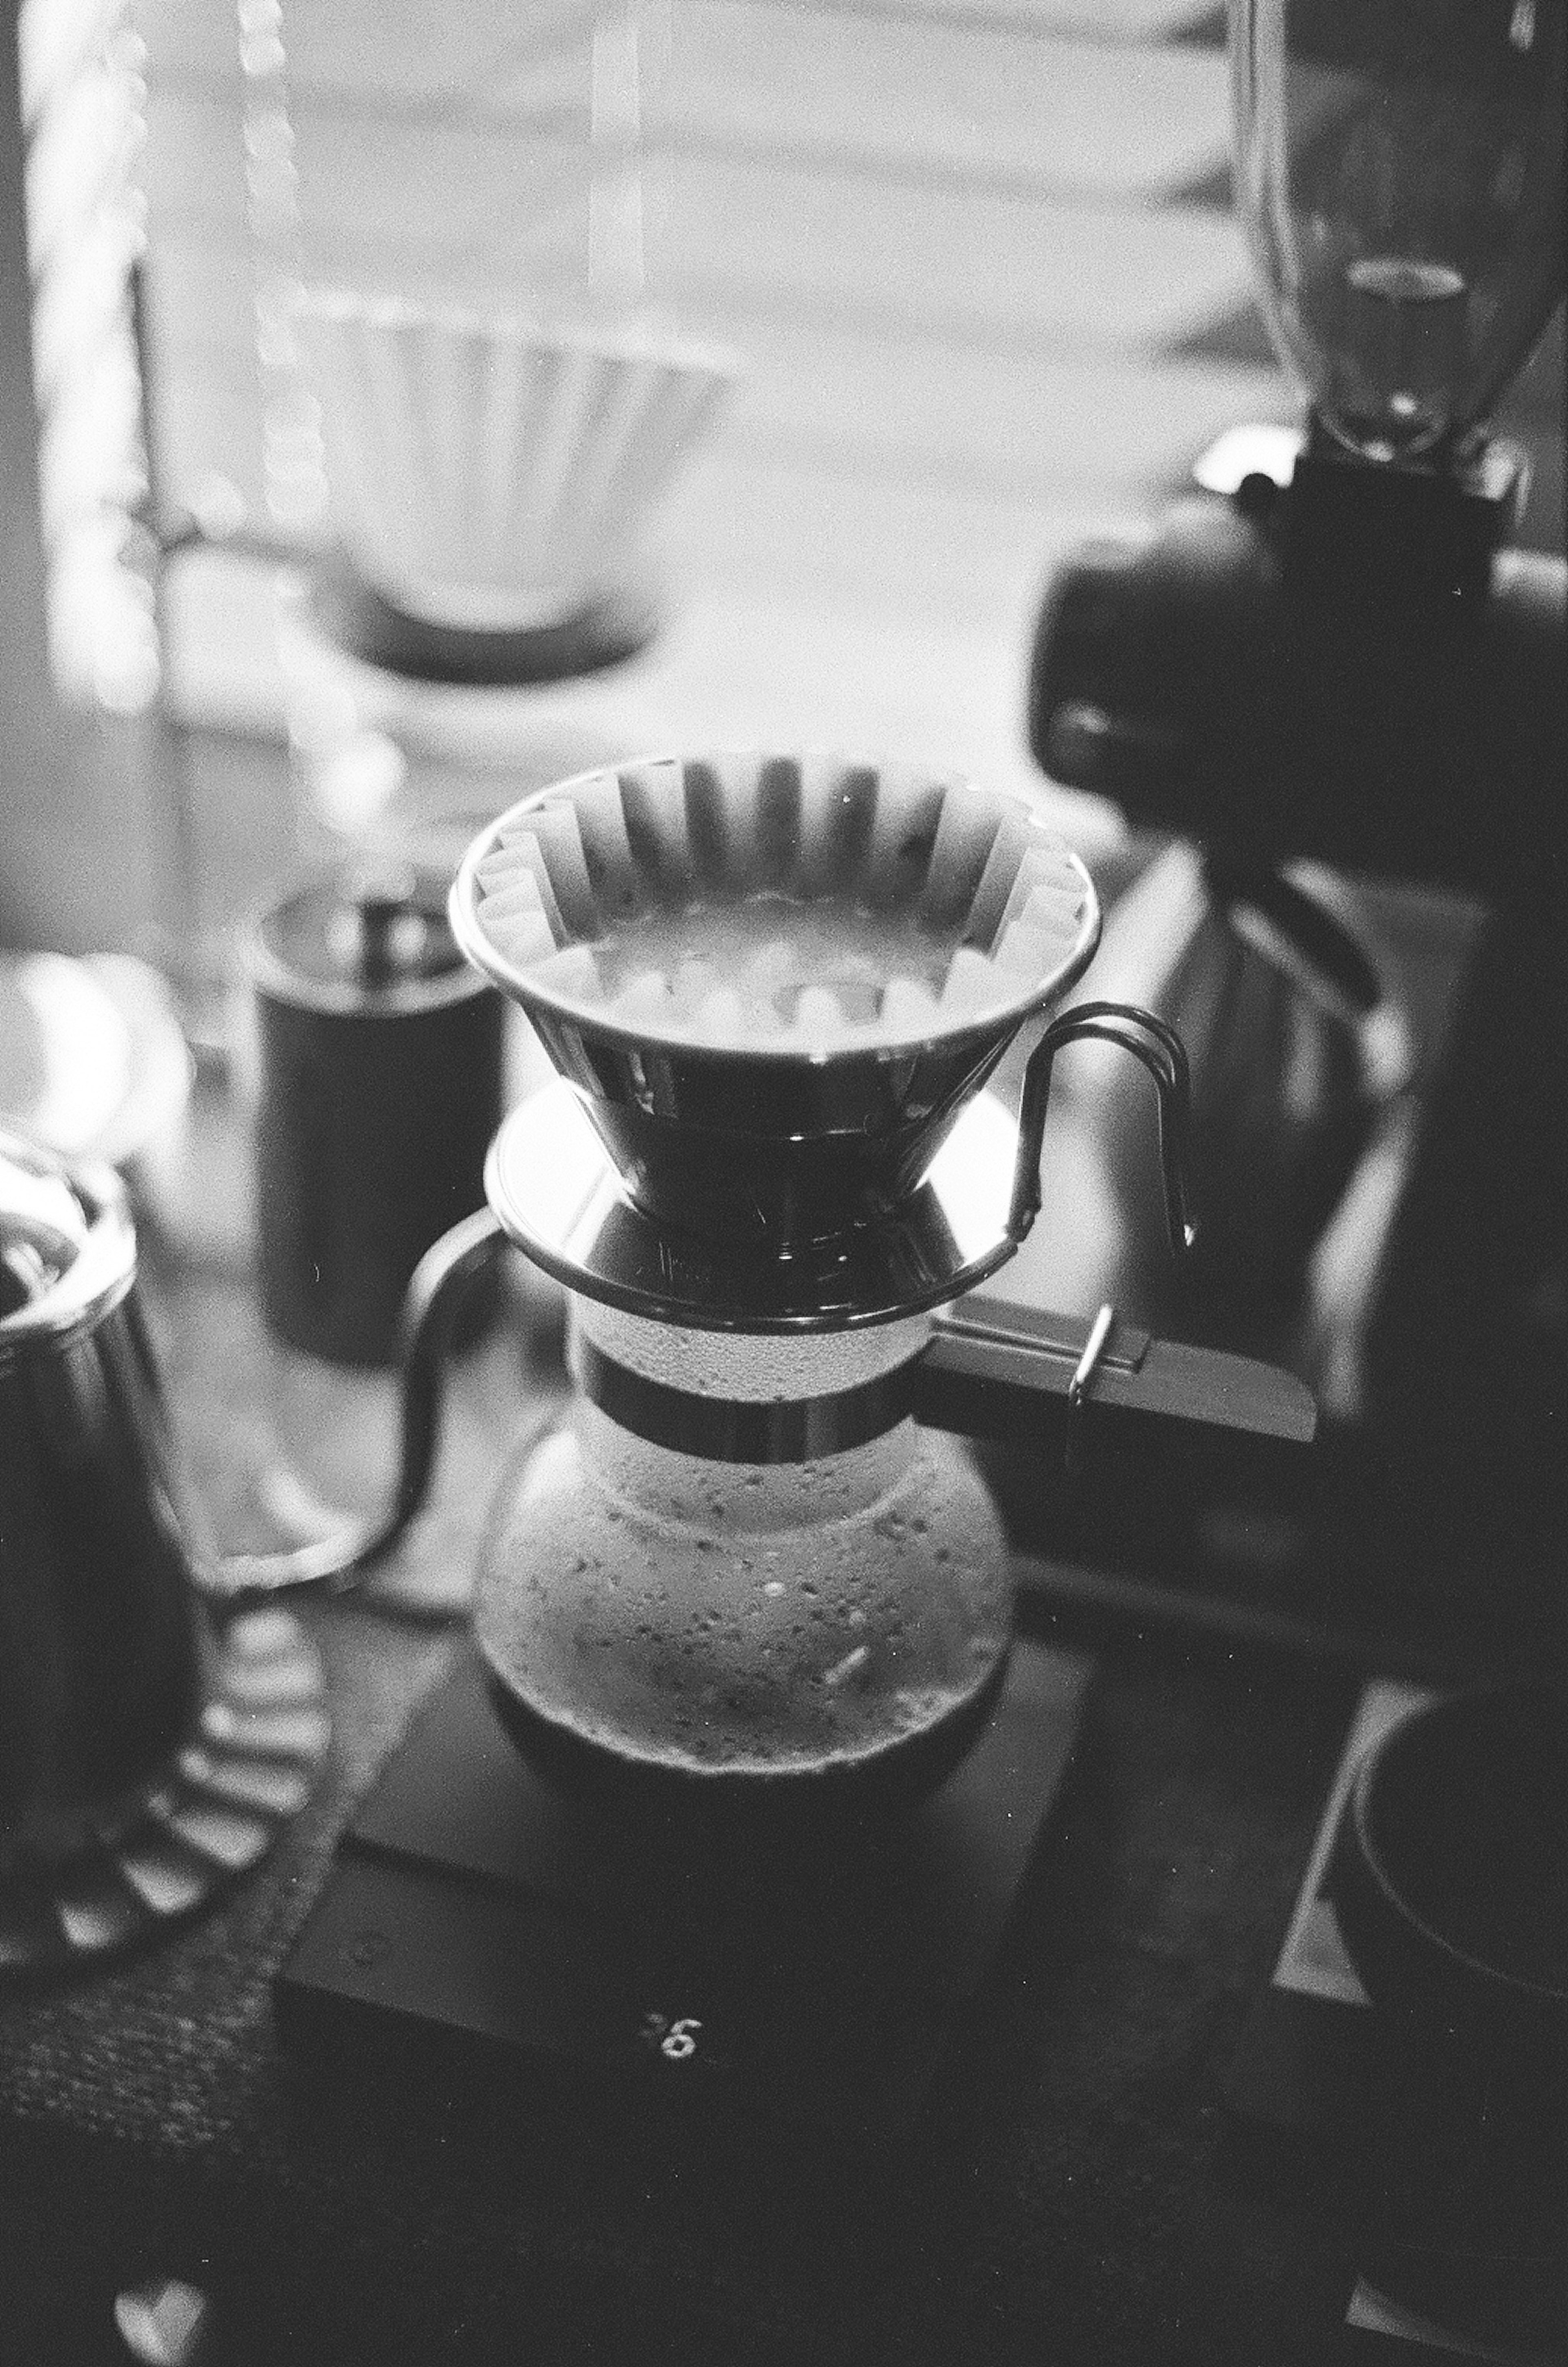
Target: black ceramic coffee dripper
(773,1140)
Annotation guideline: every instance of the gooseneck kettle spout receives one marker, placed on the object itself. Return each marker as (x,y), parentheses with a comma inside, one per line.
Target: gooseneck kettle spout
(349,1554)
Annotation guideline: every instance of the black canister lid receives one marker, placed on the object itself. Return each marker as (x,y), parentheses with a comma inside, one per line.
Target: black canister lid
(366,940)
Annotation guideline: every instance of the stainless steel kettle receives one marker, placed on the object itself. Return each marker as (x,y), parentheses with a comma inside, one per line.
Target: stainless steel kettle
(100,1655)
(146,1752)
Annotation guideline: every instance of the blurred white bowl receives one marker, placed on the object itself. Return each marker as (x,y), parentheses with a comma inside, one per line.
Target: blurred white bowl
(485,471)
(93,1064)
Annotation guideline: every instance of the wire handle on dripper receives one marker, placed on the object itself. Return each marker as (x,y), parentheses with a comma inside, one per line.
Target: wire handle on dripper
(1154,1042)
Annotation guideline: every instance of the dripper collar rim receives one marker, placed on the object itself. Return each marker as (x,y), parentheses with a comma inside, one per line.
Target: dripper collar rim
(604,1246)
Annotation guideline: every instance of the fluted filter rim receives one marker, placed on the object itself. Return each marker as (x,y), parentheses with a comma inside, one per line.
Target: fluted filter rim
(1001,911)
(630,340)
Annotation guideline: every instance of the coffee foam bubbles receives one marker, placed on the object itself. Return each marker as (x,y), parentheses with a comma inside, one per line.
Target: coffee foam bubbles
(735,1621)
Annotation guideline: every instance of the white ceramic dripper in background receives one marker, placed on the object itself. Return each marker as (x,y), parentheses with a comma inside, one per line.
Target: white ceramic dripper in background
(488,472)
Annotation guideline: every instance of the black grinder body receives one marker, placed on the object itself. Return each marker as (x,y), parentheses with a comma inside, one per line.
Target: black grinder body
(1350,670)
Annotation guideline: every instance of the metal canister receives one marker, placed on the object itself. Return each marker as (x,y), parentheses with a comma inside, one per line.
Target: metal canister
(377,1054)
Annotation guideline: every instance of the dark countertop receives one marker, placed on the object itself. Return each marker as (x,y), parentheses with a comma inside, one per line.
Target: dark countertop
(1074,2191)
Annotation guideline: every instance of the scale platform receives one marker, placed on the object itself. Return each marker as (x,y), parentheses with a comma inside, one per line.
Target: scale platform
(477,1922)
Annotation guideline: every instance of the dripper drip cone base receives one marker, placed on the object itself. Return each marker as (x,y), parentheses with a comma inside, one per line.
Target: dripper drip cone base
(565,1201)
(599,631)
(486,466)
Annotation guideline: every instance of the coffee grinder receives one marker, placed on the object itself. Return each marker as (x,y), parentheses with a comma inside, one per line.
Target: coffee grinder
(730,1803)
(1343,692)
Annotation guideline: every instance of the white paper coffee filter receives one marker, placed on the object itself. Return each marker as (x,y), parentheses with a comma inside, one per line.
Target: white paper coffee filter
(793,903)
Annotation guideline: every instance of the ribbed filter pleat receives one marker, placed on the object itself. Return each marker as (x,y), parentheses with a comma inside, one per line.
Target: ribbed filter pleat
(414,388)
(590,387)
(1040,934)
(458,488)
(650,429)
(972,987)
(553,430)
(553,830)
(455,484)
(965,835)
(902,839)
(1037,884)
(495,455)
(606,432)
(670,405)
(356,462)
(838,846)
(433,400)
(503,457)
(707,810)
(654,814)
(499,872)
(1008,848)
(769,849)
(518,920)
(612,866)
(391,514)
(573,972)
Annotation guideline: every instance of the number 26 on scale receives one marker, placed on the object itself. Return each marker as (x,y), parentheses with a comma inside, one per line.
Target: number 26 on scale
(676,2041)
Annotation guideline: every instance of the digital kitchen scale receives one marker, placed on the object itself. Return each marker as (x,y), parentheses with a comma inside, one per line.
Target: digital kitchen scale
(480,1923)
